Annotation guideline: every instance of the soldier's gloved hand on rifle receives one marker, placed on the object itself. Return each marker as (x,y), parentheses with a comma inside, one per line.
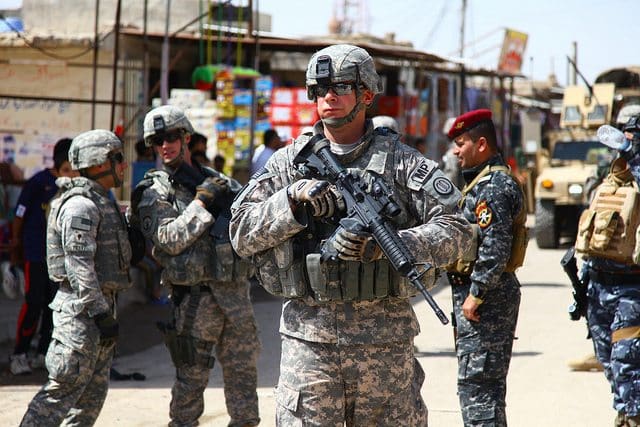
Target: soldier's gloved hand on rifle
(356,246)
(209,189)
(323,197)
(108,326)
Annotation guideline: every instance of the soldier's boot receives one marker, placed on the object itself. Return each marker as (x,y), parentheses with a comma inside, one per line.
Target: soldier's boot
(588,363)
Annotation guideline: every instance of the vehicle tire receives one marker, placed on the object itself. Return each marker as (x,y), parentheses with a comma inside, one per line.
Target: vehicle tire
(546,224)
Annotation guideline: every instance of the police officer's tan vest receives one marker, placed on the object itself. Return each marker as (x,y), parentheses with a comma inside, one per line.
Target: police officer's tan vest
(113,252)
(520,232)
(609,227)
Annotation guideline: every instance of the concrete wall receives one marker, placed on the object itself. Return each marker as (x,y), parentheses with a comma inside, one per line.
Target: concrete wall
(77,17)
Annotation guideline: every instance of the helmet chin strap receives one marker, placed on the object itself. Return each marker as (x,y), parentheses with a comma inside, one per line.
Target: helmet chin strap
(341,121)
(111,171)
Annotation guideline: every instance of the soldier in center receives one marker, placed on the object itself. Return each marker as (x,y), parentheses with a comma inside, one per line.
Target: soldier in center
(184,210)
(486,293)
(347,324)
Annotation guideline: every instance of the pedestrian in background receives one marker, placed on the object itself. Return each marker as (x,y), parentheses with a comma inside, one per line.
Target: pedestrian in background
(611,268)
(486,294)
(271,142)
(88,256)
(184,210)
(28,239)
(198,149)
(347,352)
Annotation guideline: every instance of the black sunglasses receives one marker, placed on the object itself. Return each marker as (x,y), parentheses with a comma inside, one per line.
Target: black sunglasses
(169,137)
(117,157)
(337,88)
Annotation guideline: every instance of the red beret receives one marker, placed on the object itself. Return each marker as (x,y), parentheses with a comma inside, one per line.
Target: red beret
(467,121)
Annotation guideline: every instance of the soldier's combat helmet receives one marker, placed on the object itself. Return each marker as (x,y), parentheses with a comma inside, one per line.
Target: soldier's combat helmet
(92,148)
(164,119)
(342,63)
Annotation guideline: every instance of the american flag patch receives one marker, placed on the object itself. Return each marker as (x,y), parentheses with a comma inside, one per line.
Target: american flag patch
(79,223)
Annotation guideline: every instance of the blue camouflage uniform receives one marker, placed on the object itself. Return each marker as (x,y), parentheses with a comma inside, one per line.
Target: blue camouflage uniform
(484,347)
(613,315)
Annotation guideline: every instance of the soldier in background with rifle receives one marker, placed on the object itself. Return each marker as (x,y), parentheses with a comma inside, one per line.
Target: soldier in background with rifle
(184,209)
(608,240)
(347,324)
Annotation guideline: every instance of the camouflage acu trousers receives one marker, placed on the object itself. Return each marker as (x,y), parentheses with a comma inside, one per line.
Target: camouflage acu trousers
(484,353)
(236,349)
(612,309)
(330,385)
(76,389)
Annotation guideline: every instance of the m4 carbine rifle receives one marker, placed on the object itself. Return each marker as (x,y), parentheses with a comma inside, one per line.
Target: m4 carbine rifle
(372,210)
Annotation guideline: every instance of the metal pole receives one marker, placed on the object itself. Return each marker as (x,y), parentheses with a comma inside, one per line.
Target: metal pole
(164,72)
(114,80)
(145,57)
(463,96)
(254,92)
(95,66)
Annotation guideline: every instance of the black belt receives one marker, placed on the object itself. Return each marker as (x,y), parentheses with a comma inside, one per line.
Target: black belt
(608,278)
(457,279)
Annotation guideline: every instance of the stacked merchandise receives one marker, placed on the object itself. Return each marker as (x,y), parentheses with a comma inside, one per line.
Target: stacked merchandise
(291,112)
(234,119)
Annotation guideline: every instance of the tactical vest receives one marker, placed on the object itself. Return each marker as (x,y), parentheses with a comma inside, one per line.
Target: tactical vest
(210,258)
(294,268)
(520,232)
(609,227)
(113,252)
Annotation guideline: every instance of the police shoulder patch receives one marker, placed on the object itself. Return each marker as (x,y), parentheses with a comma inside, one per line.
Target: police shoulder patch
(484,215)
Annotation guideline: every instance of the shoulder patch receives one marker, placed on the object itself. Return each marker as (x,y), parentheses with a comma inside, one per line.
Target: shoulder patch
(146,223)
(419,176)
(443,186)
(80,223)
(483,214)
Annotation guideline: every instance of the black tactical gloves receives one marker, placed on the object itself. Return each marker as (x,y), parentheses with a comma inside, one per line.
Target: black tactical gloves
(356,246)
(211,188)
(108,326)
(325,199)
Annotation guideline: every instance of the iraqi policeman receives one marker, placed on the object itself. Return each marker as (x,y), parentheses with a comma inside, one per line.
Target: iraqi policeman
(347,324)
(184,209)
(486,293)
(609,242)
(88,256)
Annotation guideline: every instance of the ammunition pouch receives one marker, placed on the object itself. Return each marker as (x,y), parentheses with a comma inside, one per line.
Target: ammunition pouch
(456,279)
(519,242)
(283,271)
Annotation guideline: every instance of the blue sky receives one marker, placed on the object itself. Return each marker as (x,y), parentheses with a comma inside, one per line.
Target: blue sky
(607,32)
